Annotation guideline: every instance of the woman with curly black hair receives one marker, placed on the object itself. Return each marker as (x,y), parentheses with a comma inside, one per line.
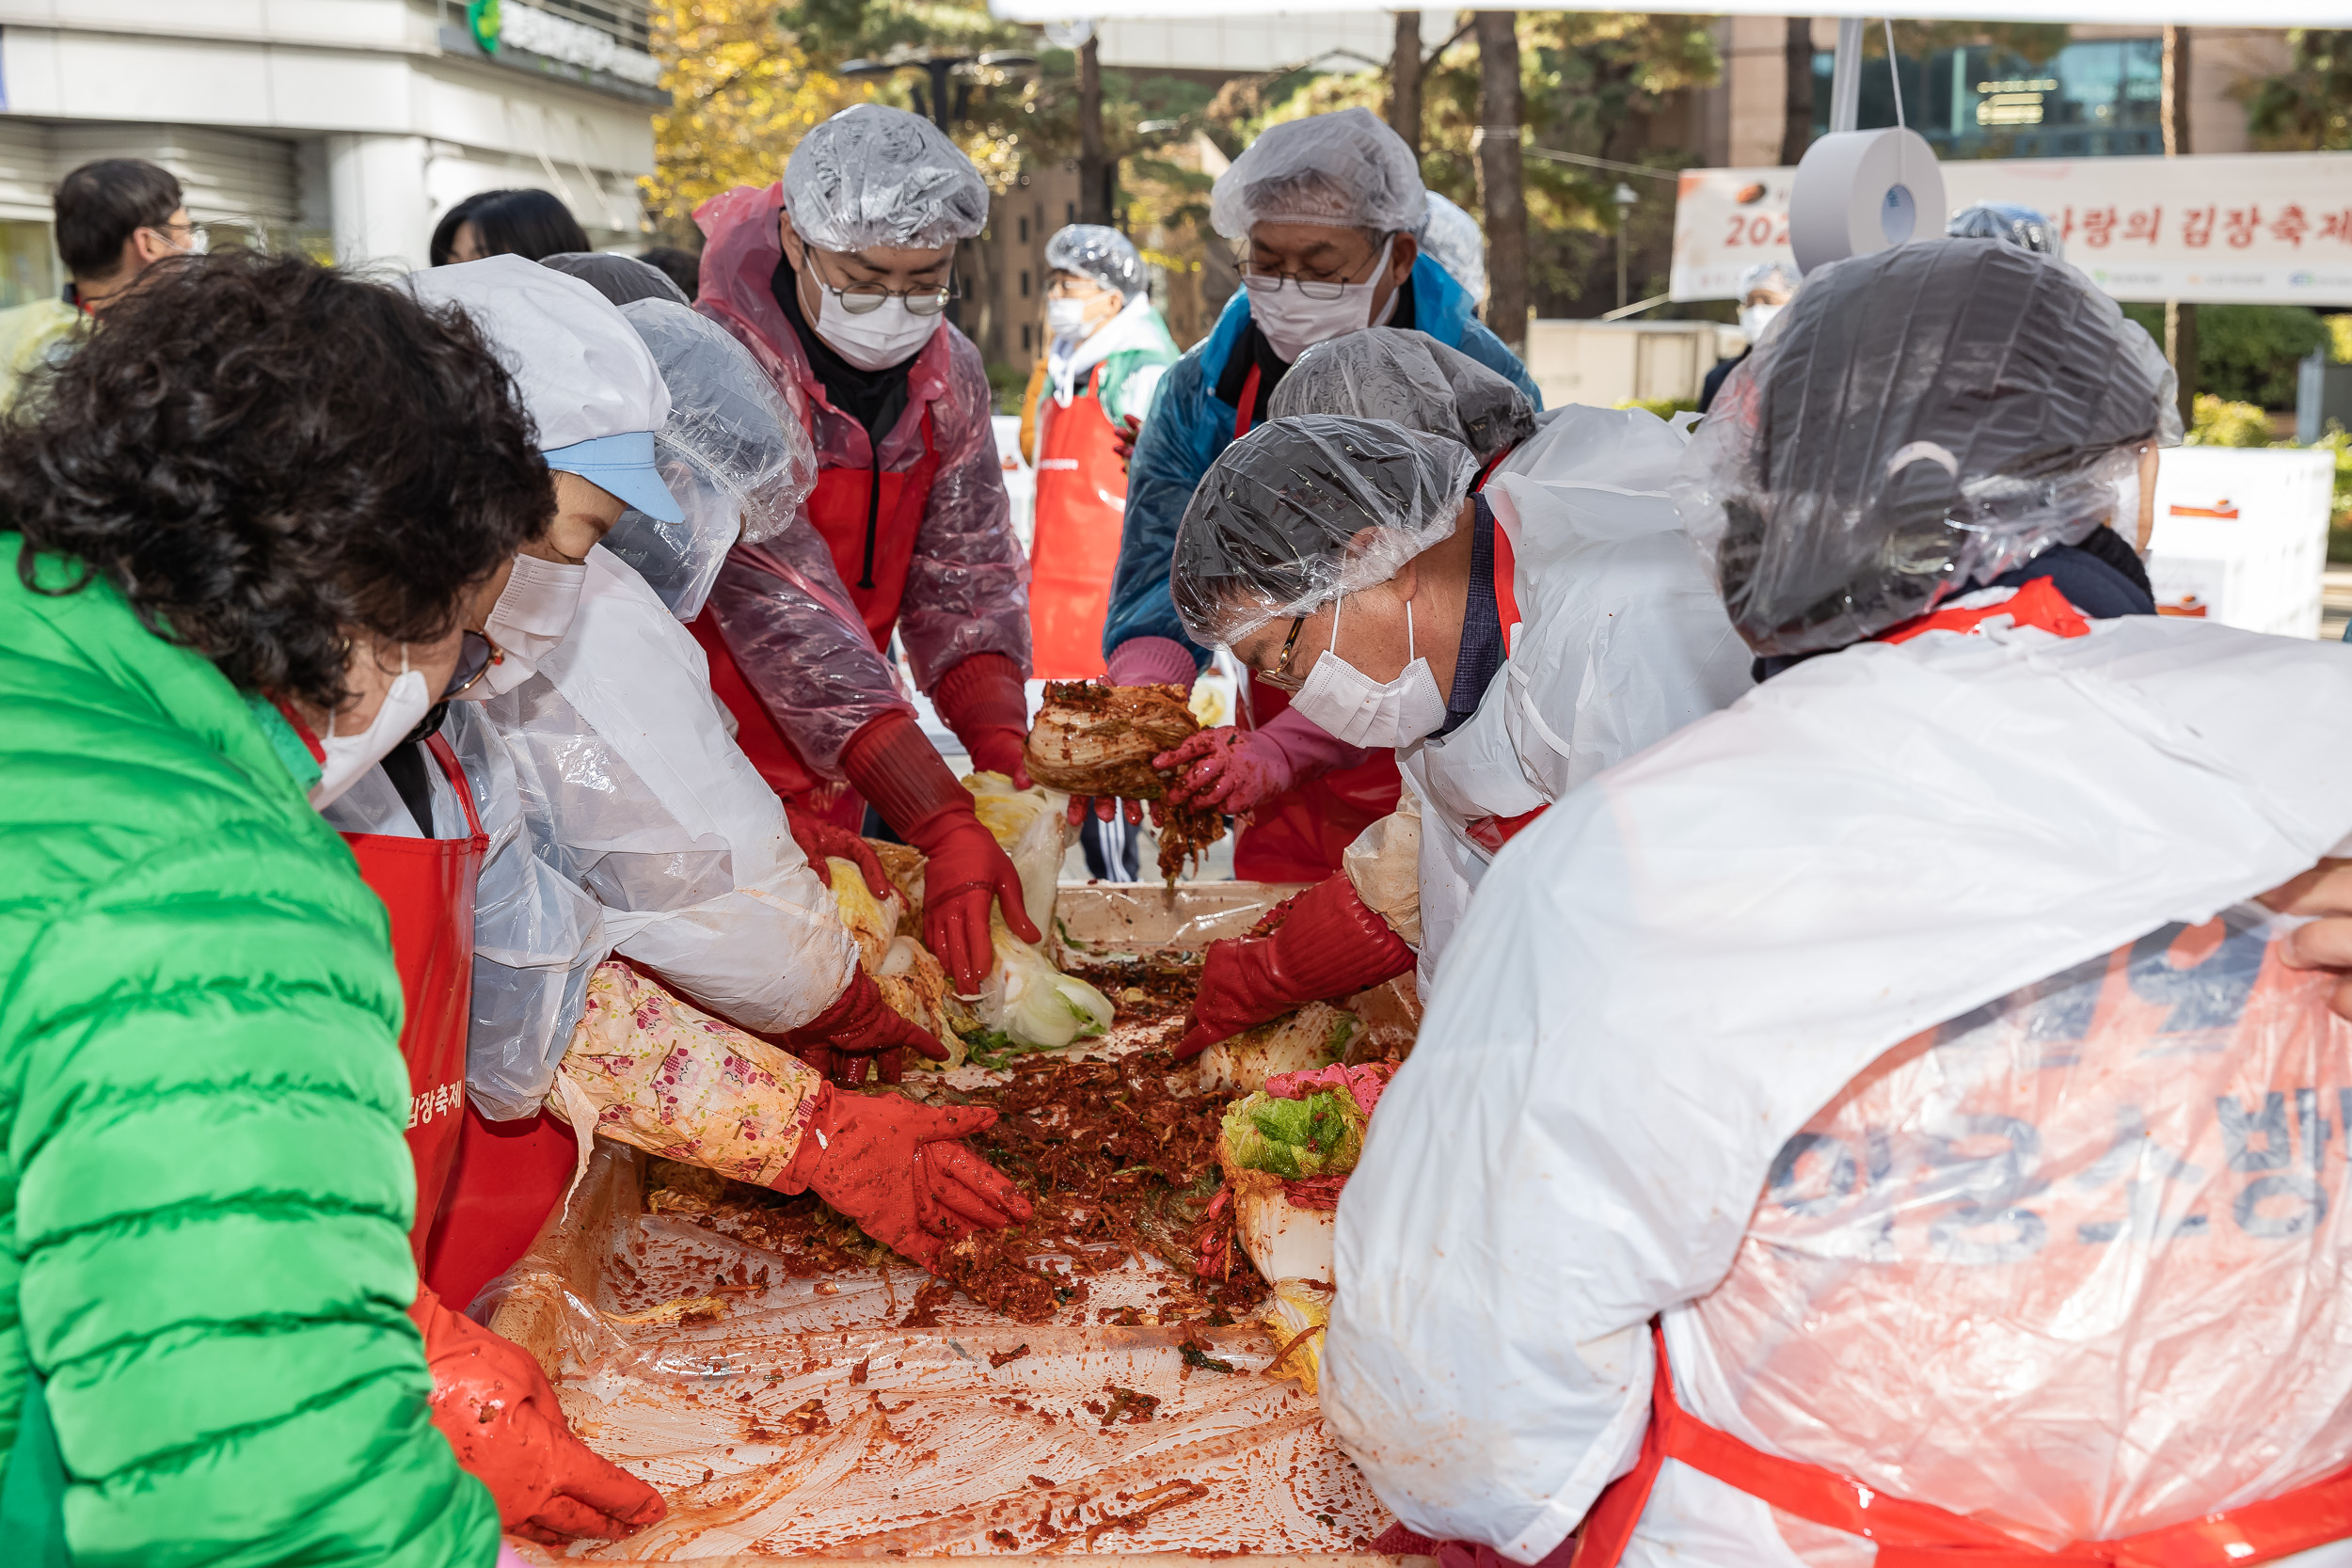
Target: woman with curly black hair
(265,501)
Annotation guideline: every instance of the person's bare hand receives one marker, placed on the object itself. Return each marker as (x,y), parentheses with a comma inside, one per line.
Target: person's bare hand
(2325,893)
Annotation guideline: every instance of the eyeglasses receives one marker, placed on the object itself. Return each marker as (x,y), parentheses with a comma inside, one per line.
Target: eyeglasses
(186,237)
(1279,677)
(1265,281)
(475,654)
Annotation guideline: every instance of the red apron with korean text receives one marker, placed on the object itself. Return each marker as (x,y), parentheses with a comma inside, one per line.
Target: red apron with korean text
(1081,508)
(427,886)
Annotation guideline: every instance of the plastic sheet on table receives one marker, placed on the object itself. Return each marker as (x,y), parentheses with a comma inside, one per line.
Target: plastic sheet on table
(793,1416)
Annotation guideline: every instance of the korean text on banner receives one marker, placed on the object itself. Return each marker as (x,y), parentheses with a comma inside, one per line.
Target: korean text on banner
(2257,229)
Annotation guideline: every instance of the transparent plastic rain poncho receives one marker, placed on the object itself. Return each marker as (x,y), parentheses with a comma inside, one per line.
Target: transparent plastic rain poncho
(1105,255)
(1916,420)
(1272,531)
(736,460)
(874,175)
(2008,222)
(1343,170)
(1450,237)
(633,792)
(1408,378)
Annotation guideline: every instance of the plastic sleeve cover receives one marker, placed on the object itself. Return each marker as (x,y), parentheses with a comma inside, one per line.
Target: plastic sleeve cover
(1179,442)
(968,586)
(1916,420)
(800,644)
(1273,531)
(671,1079)
(537,936)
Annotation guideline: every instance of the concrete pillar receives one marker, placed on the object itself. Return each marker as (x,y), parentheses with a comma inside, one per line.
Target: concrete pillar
(376,187)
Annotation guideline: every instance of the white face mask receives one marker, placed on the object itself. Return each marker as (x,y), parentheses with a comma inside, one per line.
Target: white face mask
(349,756)
(1065,318)
(1754,319)
(1342,699)
(1295,324)
(527,621)
(888,335)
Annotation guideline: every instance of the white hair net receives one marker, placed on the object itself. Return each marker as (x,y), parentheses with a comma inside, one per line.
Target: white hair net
(1768,275)
(1921,418)
(1093,251)
(1450,237)
(1343,170)
(1408,378)
(738,462)
(1273,530)
(874,175)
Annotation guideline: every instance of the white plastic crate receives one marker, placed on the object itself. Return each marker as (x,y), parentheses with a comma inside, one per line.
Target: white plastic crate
(2241,536)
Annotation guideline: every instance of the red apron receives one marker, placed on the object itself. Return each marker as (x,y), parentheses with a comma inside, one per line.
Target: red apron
(427,885)
(509,1176)
(1081,508)
(1920,1535)
(1299,835)
(868,520)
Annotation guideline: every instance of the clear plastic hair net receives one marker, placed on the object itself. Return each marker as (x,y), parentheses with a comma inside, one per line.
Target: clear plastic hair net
(1093,251)
(1272,531)
(1768,275)
(874,175)
(1408,378)
(1450,237)
(1920,418)
(619,278)
(731,452)
(2010,222)
(1344,170)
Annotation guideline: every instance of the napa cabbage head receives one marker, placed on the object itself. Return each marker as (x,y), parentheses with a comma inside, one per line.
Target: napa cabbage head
(1319,1135)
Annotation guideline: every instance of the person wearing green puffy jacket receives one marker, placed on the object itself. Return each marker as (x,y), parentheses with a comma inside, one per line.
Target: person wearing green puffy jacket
(276,489)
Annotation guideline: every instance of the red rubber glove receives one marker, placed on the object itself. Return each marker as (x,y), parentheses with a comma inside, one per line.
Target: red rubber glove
(905,779)
(1123,437)
(494,1405)
(901,1172)
(819,839)
(1328,945)
(984,701)
(861,1027)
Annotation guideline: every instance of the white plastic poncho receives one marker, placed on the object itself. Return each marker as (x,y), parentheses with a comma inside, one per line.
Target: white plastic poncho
(1676,970)
(1346,170)
(873,175)
(634,791)
(1622,642)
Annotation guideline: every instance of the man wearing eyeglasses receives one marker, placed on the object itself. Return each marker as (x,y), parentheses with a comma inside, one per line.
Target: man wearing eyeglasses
(1327,208)
(837,278)
(115,218)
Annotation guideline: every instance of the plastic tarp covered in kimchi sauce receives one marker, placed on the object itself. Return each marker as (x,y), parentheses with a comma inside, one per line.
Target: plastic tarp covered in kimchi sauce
(2073,1263)
(804,1420)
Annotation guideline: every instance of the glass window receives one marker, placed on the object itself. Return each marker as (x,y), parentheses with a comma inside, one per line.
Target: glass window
(2096,98)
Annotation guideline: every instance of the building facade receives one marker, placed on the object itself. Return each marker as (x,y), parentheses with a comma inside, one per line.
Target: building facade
(338,126)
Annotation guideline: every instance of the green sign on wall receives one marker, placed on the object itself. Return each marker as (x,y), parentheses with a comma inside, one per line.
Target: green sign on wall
(481,20)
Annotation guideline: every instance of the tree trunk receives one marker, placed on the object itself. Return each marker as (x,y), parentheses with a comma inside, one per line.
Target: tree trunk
(1405,80)
(2180,318)
(1094,184)
(1796,105)
(1498,182)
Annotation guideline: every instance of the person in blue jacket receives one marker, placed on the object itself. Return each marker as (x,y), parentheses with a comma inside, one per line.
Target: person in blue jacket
(1328,207)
